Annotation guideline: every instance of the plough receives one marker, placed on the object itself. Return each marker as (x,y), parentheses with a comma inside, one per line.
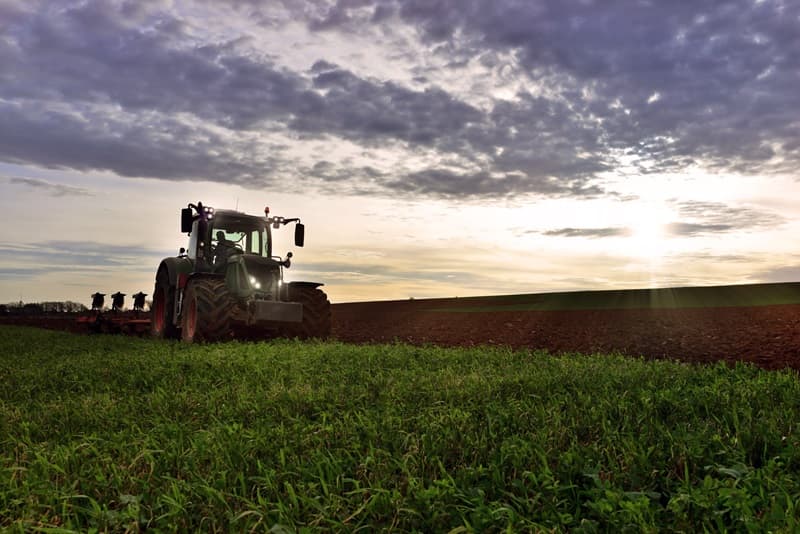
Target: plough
(117,320)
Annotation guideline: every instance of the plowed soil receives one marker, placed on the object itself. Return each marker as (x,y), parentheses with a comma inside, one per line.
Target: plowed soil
(768,336)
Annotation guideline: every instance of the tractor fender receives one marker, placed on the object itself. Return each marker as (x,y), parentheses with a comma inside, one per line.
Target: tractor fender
(287,288)
(172,269)
(176,267)
(312,285)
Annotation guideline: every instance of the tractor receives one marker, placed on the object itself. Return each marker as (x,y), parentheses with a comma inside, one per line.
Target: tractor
(227,283)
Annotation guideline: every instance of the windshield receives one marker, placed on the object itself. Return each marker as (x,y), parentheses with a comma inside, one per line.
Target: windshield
(245,233)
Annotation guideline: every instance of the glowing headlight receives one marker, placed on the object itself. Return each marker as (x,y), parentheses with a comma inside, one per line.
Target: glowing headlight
(254,282)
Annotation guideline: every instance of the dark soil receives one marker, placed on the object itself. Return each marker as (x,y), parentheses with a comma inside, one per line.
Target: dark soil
(768,336)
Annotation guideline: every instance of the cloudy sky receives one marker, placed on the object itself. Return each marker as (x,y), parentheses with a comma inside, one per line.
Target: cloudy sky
(431,147)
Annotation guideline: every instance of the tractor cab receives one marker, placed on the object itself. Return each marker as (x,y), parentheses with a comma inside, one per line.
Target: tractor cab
(238,233)
(226,234)
(216,235)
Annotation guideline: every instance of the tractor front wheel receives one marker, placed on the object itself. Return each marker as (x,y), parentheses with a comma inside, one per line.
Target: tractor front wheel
(207,308)
(316,313)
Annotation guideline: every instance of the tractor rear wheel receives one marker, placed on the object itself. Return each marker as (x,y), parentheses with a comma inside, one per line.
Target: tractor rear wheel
(161,325)
(207,309)
(316,313)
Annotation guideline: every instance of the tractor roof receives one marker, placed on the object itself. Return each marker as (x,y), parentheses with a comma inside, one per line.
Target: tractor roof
(238,216)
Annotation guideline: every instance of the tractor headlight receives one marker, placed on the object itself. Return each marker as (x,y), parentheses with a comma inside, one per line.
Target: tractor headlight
(255,283)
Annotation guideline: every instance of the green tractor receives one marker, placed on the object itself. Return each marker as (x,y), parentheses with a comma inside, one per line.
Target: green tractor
(227,282)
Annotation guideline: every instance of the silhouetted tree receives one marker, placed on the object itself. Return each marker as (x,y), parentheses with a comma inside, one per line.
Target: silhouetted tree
(39,308)
(32,308)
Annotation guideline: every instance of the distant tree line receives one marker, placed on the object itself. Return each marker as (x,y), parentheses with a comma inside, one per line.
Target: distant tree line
(41,308)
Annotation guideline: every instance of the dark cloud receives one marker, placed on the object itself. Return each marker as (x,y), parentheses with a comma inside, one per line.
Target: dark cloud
(87,88)
(158,146)
(50,188)
(695,229)
(702,218)
(672,83)
(446,183)
(588,232)
(133,88)
(719,211)
(91,55)
(365,110)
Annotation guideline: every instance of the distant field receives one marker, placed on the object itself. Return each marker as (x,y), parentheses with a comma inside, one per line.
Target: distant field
(670,298)
(119,433)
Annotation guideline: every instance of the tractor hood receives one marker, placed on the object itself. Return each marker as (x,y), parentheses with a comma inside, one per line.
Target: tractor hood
(263,273)
(260,262)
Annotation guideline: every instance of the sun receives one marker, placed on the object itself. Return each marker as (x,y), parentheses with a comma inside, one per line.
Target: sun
(648,239)
(649,236)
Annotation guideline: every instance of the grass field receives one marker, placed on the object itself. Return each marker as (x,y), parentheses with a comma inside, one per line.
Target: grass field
(666,298)
(119,433)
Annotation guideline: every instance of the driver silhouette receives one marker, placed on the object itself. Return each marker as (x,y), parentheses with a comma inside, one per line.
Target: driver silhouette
(224,248)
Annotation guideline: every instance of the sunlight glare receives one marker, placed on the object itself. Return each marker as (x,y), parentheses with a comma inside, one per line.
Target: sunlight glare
(649,236)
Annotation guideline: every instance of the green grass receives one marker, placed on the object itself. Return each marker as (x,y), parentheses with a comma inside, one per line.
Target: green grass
(666,298)
(116,433)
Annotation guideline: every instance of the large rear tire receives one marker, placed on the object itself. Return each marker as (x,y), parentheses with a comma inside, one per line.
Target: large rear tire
(207,310)
(161,324)
(316,313)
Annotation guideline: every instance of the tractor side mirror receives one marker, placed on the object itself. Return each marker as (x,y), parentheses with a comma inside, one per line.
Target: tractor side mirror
(186,220)
(299,234)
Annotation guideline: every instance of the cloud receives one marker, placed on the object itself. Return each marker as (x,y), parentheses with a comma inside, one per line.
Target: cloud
(695,229)
(339,273)
(446,183)
(716,217)
(788,273)
(20,272)
(92,54)
(159,146)
(588,232)
(77,256)
(364,110)
(130,89)
(719,258)
(697,219)
(551,95)
(712,83)
(50,188)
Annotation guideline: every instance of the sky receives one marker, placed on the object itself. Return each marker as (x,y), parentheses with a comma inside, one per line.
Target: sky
(432,148)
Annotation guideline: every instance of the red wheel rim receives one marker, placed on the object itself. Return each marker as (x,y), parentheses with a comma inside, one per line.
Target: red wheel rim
(191,318)
(160,310)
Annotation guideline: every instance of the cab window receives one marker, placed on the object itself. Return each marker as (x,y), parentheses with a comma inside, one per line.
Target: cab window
(254,243)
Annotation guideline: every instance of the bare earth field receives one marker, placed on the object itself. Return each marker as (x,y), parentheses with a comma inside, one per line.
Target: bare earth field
(758,323)
(768,336)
